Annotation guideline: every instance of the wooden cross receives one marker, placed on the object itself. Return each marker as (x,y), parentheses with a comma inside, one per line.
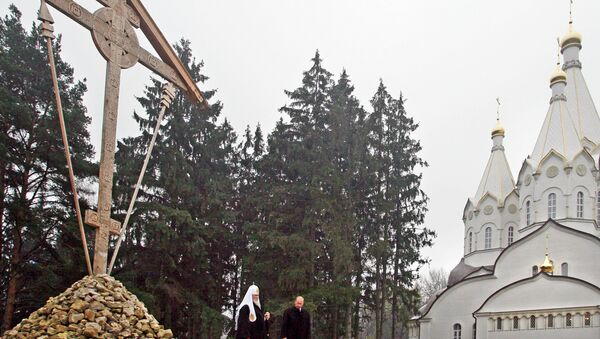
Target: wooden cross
(113,31)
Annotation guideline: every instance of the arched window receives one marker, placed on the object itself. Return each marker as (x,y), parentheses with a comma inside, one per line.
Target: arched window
(511,235)
(488,238)
(580,204)
(532,321)
(598,208)
(457,331)
(534,270)
(470,242)
(552,206)
(564,269)
(499,324)
(569,320)
(528,211)
(515,323)
(550,321)
(587,319)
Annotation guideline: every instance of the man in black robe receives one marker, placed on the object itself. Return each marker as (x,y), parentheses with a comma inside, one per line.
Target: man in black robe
(296,321)
(251,322)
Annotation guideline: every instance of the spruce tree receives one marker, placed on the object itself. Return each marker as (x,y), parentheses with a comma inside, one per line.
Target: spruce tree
(179,251)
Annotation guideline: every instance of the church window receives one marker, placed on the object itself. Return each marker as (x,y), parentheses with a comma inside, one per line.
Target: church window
(550,321)
(579,204)
(457,331)
(564,269)
(534,270)
(511,234)
(569,320)
(532,321)
(488,238)
(587,320)
(552,206)
(528,211)
(515,323)
(499,324)
(598,208)
(470,242)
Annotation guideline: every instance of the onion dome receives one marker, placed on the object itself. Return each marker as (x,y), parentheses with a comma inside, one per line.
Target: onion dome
(572,37)
(498,129)
(547,266)
(557,76)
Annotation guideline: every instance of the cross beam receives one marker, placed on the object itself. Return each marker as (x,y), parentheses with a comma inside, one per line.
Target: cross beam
(128,43)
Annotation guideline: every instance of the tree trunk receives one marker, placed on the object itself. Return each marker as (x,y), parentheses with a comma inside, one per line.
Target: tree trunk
(359,276)
(395,301)
(14,275)
(377,299)
(2,197)
(336,312)
(348,321)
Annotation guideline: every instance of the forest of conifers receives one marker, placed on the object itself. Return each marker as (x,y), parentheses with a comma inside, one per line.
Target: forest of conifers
(327,205)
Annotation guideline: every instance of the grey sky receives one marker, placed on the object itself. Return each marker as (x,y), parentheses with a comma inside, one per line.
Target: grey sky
(450,59)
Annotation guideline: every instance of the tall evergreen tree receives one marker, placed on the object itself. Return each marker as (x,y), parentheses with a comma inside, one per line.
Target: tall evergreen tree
(399,205)
(290,229)
(179,251)
(36,215)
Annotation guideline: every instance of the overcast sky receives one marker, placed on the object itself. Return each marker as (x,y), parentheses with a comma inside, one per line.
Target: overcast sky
(450,59)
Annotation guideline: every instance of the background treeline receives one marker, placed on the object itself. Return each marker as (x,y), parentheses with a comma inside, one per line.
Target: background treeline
(327,205)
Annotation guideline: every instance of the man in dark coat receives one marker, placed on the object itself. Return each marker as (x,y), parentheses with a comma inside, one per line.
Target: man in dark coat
(296,321)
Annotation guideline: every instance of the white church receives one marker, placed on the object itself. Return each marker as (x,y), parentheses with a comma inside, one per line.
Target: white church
(531,264)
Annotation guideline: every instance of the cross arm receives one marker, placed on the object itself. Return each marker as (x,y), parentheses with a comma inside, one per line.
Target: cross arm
(74,11)
(89,21)
(165,51)
(93,219)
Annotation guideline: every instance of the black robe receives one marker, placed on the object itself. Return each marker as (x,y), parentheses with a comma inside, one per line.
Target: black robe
(296,324)
(257,329)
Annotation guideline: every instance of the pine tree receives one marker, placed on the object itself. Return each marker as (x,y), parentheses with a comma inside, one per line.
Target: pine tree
(36,214)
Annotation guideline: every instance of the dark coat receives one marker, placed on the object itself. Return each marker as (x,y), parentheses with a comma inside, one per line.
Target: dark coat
(296,324)
(258,329)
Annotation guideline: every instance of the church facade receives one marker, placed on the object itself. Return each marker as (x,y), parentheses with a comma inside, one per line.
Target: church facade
(531,265)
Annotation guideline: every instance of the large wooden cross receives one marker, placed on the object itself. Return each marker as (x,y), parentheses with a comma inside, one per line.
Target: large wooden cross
(113,31)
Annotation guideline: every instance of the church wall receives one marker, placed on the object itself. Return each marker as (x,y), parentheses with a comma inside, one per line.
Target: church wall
(499,219)
(564,247)
(542,292)
(487,327)
(456,307)
(459,302)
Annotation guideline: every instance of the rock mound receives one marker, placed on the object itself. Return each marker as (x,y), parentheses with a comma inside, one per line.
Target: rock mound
(93,307)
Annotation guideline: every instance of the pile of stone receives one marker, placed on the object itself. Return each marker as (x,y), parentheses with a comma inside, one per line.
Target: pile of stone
(94,307)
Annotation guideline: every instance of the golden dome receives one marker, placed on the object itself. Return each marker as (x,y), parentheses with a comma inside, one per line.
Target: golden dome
(572,37)
(558,75)
(547,266)
(498,129)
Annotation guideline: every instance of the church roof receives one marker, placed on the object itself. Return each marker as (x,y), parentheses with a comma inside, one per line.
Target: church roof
(462,270)
(558,133)
(580,103)
(497,179)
